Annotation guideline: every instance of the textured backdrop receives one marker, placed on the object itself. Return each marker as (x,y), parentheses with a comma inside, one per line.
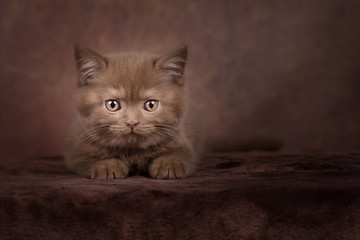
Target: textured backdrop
(288,70)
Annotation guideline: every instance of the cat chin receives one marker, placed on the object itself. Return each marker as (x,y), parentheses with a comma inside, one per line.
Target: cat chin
(129,140)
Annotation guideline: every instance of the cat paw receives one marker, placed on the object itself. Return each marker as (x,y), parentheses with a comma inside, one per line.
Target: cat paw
(109,169)
(167,168)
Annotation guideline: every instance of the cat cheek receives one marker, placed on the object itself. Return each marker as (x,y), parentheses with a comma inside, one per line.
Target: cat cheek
(168,117)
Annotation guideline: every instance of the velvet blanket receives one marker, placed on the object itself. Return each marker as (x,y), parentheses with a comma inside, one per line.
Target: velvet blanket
(235,195)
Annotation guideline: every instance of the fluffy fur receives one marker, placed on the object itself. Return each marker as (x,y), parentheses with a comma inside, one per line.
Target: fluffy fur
(102,144)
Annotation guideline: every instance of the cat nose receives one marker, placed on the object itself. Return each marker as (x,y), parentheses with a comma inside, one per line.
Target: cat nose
(132,123)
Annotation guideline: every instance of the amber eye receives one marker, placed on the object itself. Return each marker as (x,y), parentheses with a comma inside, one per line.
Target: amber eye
(112,105)
(151,105)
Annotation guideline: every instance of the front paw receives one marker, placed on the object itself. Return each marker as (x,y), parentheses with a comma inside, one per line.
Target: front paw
(168,168)
(109,169)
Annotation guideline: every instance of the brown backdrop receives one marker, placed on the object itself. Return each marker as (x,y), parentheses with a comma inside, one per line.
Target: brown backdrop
(277,69)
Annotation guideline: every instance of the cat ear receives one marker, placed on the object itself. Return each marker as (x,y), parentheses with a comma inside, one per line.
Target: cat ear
(88,63)
(173,64)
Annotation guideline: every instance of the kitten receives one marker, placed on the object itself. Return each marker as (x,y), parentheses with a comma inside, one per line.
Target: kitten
(132,117)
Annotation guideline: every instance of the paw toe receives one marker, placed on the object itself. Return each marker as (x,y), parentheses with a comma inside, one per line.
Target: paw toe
(109,169)
(166,169)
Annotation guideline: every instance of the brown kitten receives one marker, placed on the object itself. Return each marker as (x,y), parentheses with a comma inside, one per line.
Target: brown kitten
(133,117)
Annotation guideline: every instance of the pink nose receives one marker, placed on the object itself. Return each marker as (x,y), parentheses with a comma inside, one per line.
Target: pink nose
(132,124)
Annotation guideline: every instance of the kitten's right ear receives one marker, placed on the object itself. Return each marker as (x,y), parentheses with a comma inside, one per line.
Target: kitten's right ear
(173,64)
(88,63)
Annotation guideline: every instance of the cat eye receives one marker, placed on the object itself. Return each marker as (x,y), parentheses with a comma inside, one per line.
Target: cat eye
(151,105)
(112,105)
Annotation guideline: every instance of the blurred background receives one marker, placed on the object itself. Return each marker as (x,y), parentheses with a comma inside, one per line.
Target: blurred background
(286,70)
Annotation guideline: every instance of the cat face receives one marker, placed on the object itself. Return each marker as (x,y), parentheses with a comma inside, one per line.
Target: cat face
(130,100)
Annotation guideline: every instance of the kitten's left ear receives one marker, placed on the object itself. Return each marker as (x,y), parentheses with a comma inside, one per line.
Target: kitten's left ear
(173,64)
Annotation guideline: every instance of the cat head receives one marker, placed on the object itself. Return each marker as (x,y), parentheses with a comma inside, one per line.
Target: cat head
(130,100)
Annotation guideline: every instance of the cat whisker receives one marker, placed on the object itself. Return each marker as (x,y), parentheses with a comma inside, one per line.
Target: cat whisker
(91,134)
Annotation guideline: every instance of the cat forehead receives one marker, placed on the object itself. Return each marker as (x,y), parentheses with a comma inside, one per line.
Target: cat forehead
(120,92)
(142,93)
(130,63)
(131,70)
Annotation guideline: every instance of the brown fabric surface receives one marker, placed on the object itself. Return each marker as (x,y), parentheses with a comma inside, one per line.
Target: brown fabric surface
(231,196)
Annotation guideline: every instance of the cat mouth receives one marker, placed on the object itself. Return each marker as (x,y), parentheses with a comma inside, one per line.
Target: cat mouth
(132,138)
(132,133)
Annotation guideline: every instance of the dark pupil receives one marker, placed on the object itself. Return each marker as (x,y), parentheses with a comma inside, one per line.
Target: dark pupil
(151,104)
(112,104)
